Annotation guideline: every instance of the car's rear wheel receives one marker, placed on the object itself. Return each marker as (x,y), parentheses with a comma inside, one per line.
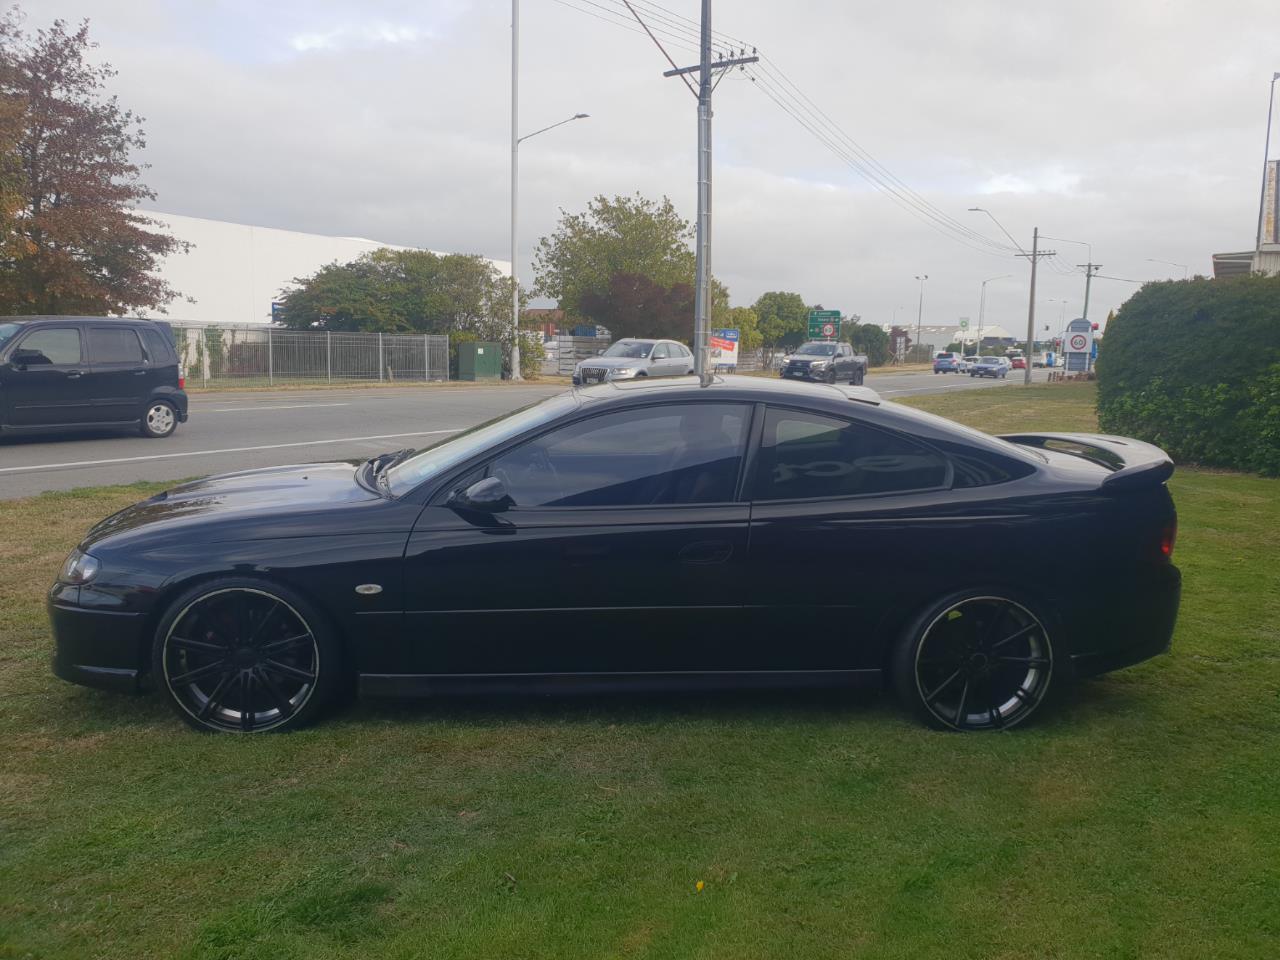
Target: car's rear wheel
(245,656)
(160,419)
(976,661)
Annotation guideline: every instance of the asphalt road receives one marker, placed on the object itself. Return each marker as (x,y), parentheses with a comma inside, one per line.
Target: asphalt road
(243,430)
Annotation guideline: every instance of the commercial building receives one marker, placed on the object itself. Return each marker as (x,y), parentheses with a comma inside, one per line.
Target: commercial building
(1265,257)
(235,271)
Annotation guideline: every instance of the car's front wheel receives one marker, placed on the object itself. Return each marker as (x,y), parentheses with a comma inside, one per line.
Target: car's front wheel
(976,661)
(160,419)
(245,656)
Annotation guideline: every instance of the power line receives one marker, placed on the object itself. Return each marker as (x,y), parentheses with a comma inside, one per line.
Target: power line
(608,17)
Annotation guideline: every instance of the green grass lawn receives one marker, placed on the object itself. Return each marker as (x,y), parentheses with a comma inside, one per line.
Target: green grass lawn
(1142,819)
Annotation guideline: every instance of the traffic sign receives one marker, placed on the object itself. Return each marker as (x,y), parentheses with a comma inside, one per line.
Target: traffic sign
(824,324)
(1078,342)
(964,323)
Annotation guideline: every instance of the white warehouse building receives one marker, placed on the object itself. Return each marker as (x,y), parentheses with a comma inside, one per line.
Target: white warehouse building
(234,271)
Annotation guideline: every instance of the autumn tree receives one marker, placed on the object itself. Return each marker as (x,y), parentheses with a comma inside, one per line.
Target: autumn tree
(72,240)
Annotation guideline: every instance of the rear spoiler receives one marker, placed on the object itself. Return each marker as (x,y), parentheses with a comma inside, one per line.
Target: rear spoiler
(1132,463)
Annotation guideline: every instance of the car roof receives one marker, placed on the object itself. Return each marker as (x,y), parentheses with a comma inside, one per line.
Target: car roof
(33,318)
(763,389)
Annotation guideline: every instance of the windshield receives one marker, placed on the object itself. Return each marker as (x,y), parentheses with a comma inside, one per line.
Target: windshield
(818,349)
(7,332)
(629,348)
(434,459)
(989,360)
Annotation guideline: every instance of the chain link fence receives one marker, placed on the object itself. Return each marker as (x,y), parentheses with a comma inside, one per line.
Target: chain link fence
(254,356)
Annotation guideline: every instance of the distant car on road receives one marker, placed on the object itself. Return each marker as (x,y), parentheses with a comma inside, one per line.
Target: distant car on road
(647,534)
(825,361)
(1018,363)
(1040,360)
(70,372)
(989,367)
(947,363)
(629,358)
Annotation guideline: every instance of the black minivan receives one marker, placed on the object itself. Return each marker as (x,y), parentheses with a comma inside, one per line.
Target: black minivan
(59,372)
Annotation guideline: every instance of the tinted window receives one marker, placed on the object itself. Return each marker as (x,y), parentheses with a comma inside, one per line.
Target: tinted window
(114,345)
(804,455)
(7,332)
(59,344)
(673,454)
(158,350)
(660,352)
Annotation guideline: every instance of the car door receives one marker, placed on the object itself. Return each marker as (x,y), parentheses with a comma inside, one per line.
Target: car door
(118,373)
(835,535)
(843,367)
(660,360)
(623,551)
(43,382)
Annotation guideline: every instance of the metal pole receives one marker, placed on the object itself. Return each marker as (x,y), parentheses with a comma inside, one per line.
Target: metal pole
(920,309)
(271,376)
(702,293)
(982,312)
(1266,155)
(328,355)
(515,187)
(379,355)
(1031,310)
(426,358)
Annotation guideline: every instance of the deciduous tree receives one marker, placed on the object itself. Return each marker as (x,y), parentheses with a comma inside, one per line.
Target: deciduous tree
(73,240)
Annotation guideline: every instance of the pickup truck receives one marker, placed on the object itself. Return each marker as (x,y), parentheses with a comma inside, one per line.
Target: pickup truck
(825,361)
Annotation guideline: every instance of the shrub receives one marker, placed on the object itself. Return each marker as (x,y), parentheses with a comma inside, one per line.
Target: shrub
(1194,367)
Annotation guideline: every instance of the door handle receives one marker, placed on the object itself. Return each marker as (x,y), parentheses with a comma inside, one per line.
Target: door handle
(706,551)
(139,373)
(74,374)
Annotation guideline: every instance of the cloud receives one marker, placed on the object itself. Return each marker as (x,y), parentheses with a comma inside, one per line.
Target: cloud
(361,37)
(1051,180)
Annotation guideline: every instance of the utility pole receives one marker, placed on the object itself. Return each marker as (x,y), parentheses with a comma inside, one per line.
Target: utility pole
(1035,255)
(920,307)
(1089,270)
(706,71)
(515,185)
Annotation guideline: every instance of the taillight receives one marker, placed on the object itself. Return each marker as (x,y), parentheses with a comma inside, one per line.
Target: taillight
(182,379)
(1168,536)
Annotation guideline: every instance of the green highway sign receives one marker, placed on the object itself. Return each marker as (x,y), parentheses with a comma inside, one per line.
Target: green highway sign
(824,324)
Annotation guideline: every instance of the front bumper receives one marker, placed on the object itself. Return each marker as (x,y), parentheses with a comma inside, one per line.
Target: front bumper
(95,647)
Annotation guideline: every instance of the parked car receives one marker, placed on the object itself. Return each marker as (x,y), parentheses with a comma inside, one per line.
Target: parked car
(963,363)
(629,358)
(657,533)
(947,363)
(70,372)
(826,361)
(989,367)
(1018,363)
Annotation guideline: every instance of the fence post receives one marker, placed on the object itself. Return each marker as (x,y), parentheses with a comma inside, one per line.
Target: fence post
(426,358)
(328,355)
(379,354)
(271,375)
(204,355)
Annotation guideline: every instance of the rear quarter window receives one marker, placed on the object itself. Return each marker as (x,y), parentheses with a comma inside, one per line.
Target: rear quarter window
(158,349)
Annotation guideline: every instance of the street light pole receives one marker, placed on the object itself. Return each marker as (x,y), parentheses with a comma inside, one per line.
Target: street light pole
(982,308)
(1266,155)
(516,140)
(920,307)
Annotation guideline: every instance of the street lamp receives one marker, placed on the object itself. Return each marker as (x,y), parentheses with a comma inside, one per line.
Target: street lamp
(1171,264)
(1034,256)
(998,224)
(920,308)
(982,308)
(1266,155)
(1090,269)
(516,140)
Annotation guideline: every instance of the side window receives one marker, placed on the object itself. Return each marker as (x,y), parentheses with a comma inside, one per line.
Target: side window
(57,345)
(158,351)
(805,455)
(670,454)
(114,345)
(660,352)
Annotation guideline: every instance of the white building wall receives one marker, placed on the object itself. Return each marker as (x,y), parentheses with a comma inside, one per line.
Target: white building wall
(234,271)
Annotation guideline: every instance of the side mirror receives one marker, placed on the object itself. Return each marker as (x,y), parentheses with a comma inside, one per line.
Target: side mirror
(600,352)
(23,358)
(484,496)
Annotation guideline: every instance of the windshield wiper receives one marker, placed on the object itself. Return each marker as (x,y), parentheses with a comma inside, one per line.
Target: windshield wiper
(375,469)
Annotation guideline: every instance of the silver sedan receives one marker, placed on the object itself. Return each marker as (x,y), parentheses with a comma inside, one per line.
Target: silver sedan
(630,358)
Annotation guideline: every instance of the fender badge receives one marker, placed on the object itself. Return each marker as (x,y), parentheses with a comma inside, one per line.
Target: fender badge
(369,589)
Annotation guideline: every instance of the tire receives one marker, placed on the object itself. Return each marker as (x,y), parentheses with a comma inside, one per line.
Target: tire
(280,677)
(946,667)
(859,376)
(831,376)
(159,420)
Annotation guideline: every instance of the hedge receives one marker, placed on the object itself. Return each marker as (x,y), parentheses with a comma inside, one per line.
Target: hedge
(1193,366)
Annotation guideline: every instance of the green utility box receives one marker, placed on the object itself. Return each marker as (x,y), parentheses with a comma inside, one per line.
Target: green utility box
(479,360)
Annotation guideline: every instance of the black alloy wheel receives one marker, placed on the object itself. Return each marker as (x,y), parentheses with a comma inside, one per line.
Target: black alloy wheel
(245,657)
(975,663)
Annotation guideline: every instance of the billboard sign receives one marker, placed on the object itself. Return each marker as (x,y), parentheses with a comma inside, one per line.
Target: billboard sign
(724,347)
(1271,204)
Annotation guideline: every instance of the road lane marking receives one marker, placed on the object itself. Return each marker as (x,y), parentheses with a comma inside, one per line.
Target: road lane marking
(209,453)
(281,406)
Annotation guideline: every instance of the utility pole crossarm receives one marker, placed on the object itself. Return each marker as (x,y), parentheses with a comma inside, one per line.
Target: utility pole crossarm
(718,65)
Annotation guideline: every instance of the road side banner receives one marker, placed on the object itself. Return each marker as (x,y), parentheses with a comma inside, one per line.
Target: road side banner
(724,347)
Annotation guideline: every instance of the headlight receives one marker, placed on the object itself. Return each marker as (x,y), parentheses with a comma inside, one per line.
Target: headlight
(79,568)
(621,373)
(817,364)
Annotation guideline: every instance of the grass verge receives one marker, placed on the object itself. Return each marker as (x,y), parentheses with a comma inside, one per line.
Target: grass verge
(1139,820)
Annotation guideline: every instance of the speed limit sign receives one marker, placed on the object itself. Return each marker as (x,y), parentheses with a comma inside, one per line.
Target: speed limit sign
(1078,342)
(828,330)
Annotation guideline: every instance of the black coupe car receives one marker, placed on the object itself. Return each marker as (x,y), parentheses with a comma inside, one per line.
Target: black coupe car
(744,532)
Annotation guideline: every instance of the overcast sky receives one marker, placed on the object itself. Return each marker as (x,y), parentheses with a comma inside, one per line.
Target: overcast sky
(1135,126)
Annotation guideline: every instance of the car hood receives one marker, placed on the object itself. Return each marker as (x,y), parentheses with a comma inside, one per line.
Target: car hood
(274,491)
(614,363)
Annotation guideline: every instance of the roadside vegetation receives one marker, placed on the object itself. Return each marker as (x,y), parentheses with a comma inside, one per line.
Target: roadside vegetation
(1137,820)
